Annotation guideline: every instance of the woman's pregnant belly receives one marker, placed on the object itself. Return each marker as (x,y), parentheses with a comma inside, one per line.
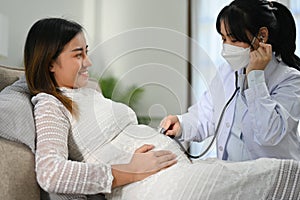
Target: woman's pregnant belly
(121,148)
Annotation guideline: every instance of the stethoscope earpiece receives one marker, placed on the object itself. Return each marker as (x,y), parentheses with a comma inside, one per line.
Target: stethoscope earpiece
(261,38)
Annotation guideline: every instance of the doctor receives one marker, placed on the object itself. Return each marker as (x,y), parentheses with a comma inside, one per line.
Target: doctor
(261,86)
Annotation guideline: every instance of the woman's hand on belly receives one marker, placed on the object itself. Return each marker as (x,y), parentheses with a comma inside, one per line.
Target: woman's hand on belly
(146,161)
(143,164)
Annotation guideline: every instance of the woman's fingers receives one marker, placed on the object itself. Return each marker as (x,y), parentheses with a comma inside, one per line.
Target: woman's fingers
(145,148)
(165,158)
(164,155)
(152,161)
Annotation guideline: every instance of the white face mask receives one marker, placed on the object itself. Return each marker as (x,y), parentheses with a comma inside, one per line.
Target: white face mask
(237,57)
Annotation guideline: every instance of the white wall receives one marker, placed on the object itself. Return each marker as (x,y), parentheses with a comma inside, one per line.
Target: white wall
(145,43)
(142,42)
(285,2)
(22,14)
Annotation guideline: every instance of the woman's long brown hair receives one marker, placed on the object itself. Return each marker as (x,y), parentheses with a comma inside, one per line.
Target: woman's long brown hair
(45,41)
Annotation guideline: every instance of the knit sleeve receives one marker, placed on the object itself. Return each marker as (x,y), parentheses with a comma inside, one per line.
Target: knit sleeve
(55,173)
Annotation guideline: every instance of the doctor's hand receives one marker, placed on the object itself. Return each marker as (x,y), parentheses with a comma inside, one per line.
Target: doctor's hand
(260,57)
(144,163)
(171,125)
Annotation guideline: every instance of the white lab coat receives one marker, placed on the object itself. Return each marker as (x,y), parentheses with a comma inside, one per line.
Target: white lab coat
(270,122)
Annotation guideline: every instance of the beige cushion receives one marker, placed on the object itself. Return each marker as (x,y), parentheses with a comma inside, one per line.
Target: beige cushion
(8,75)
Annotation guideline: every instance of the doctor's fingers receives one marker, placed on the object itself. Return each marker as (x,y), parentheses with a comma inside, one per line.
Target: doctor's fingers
(175,130)
(259,61)
(265,51)
(168,121)
(267,47)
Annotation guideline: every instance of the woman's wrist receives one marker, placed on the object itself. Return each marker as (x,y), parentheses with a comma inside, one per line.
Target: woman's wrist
(122,175)
(125,173)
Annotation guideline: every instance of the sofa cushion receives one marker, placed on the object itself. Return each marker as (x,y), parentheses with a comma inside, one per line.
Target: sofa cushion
(17,123)
(8,75)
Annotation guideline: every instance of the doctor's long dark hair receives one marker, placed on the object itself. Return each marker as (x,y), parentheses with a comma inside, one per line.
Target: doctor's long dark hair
(44,43)
(250,15)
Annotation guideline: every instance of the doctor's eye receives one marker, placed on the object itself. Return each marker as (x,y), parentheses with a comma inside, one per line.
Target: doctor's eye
(233,39)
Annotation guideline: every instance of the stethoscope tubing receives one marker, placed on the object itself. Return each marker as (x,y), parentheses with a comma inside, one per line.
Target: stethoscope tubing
(217,128)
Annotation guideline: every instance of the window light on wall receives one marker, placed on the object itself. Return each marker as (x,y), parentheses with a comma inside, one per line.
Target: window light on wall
(3,36)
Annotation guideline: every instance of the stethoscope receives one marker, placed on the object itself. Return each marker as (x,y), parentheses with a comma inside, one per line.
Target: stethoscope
(163,131)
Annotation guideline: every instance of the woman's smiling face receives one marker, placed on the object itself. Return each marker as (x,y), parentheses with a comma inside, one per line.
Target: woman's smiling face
(70,69)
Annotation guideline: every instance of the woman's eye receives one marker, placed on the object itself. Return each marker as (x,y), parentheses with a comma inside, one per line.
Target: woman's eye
(79,55)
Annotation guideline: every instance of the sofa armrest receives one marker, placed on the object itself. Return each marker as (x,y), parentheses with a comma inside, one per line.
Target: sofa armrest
(18,178)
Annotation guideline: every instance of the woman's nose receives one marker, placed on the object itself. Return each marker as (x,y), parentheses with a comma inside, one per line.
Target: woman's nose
(87,62)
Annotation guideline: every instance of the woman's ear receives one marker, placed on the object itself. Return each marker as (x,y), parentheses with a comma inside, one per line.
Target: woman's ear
(53,66)
(263,34)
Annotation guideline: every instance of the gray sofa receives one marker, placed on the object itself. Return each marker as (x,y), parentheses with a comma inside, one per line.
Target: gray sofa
(17,174)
